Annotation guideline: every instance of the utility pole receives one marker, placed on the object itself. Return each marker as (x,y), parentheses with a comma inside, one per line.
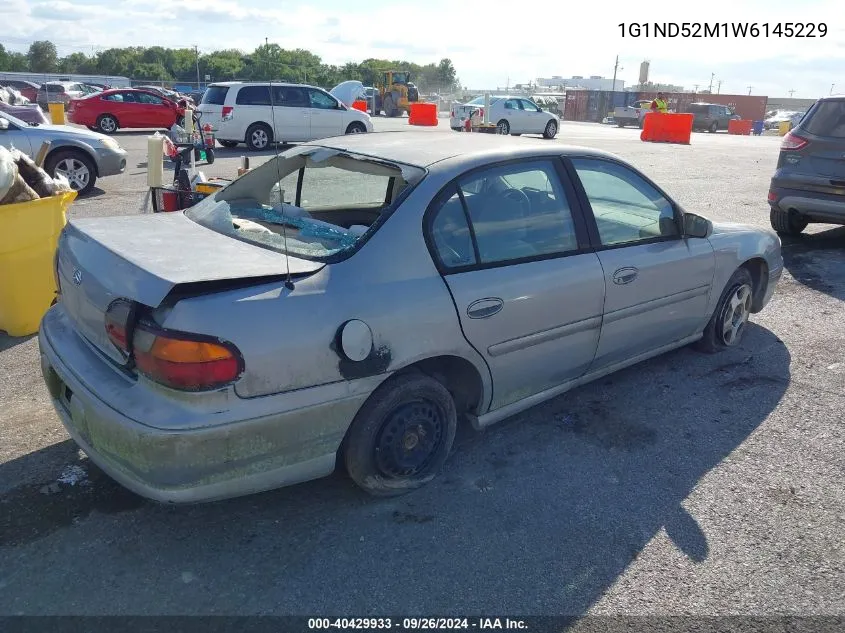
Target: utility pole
(712,76)
(831,88)
(791,92)
(615,68)
(197,53)
(695,88)
(718,86)
(749,90)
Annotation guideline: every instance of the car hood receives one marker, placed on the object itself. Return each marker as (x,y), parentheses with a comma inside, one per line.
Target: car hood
(348,92)
(66,131)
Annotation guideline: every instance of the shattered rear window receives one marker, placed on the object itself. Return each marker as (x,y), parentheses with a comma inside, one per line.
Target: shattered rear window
(309,202)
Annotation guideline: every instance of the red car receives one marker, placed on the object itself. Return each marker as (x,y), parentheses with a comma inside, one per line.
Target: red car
(111,110)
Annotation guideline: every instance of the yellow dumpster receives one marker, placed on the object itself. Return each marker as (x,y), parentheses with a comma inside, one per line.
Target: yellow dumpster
(57,113)
(27,246)
(783,128)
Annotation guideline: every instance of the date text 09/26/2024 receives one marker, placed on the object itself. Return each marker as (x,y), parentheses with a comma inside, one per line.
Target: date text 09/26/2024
(723,29)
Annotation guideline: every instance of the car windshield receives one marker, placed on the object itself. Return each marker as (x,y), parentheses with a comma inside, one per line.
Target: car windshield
(310,202)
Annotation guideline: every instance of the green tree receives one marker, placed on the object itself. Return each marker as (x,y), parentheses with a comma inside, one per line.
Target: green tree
(43,57)
(78,63)
(150,72)
(446,75)
(4,58)
(222,65)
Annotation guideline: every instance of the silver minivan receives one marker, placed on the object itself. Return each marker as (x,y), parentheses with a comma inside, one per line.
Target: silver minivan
(262,113)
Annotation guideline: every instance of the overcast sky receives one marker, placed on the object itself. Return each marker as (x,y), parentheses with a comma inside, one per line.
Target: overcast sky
(490,43)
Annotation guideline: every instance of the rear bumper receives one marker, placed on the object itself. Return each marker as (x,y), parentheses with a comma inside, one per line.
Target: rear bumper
(249,454)
(818,206)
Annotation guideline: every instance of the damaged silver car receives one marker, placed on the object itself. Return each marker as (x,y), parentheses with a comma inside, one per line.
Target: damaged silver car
(352,300)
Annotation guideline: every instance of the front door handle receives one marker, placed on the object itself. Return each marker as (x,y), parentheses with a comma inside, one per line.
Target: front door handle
(625,275)
(484,308)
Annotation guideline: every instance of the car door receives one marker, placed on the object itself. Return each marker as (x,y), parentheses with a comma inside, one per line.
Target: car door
(327,115)
(13,135)
(535,118)
(513,251)
(126,108)
(514,116)
(657,281)
(156,111)
(292,113)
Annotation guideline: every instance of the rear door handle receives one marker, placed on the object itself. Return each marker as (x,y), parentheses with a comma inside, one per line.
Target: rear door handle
(483,308)
(625,275)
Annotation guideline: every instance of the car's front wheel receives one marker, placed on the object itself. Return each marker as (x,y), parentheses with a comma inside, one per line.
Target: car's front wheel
(356,127)
(787,223)
(727,325)
(74,165)
(402,435)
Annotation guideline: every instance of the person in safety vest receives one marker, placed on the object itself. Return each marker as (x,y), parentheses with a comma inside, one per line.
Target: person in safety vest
(659,104)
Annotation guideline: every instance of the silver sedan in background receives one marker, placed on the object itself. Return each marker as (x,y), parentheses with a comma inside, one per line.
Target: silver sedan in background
(358,297)
(79,155)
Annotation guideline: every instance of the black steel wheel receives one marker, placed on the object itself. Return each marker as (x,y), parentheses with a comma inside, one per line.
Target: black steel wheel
(402,435)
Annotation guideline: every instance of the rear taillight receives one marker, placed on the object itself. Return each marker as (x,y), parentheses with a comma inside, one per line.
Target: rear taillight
(188,362)
(772,196)
(228,113)
(792,142)
(118,321)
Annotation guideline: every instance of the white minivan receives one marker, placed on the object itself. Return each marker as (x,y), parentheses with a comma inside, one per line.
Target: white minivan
(261,113)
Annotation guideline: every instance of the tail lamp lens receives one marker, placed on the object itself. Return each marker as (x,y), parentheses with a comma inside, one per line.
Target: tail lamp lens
(228,113)
(118,319)
(793,142)
(185,361)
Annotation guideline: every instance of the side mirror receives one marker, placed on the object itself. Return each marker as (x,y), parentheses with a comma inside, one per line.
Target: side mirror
(696,226)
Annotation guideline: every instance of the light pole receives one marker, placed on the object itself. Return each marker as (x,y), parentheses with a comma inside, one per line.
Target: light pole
(615,68)
(791,92)
(718,86)
(712,76)
(749,90)
(197,53)
(831,88)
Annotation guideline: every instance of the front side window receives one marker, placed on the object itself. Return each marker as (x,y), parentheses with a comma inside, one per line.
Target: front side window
(626,207)
(529,106)
(321,100)
(145,97)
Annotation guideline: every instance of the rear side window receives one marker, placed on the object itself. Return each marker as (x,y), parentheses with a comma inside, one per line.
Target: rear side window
(56,89)
(254,95)
(827,118)
(215,95)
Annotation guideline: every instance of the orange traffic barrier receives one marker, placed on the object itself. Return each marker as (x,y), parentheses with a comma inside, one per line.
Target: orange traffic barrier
(360,105)
(423,114)
(740,127)
(662,127)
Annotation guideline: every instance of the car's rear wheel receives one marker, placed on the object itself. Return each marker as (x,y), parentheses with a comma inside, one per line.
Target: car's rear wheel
(504,127)
(786,222)
(356,127)
(229,144)
(551,129)
(402,435)
(258,137)
(74,165)
(107,124)
(727,325)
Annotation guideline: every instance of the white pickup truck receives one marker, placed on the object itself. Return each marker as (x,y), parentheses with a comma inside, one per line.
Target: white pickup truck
(632,114)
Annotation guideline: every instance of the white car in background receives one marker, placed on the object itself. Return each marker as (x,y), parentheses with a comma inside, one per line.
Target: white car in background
(262,113)
(512,115)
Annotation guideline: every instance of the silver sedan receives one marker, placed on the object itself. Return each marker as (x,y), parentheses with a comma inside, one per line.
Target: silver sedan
(359,297)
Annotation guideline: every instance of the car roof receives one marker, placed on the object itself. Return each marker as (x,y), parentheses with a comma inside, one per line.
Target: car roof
(433,147)
(234,84)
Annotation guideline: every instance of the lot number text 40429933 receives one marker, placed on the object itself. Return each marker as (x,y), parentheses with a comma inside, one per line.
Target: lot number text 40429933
(723,29)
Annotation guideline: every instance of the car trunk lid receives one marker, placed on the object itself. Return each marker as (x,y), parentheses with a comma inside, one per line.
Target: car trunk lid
(146,258)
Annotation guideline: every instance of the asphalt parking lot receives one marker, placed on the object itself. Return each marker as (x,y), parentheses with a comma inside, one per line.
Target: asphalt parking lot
(690,484)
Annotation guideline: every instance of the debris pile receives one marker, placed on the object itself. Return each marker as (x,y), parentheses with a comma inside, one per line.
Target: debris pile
(22,180)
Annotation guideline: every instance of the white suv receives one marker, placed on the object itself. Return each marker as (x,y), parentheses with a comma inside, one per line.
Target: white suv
(260,113)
